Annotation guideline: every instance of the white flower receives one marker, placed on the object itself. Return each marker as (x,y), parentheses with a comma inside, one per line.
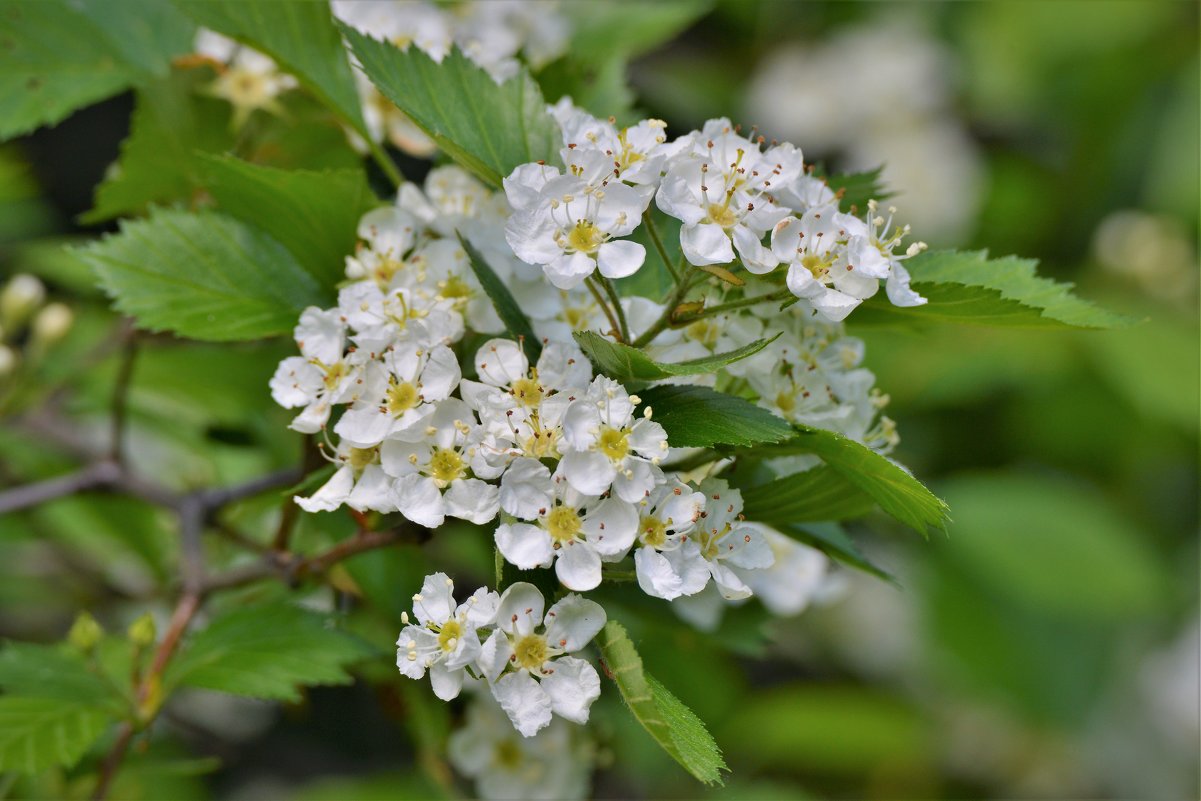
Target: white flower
(553,765)
(667,561)
(814,247)
(246,78)
(359,482)
(572,228)
(388,235)
(433,473)
(445,641)
(384,317)
(573,531)
(526,659)
(720,187)
(724,541)
(400,394)
(795,578)
(603,445)
(874,247)
(323,376)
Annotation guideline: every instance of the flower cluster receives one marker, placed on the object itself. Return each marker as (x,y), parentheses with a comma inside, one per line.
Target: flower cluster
(248,80)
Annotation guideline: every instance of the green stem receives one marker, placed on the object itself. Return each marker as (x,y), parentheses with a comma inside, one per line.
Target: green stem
(691,462)
(617,309)
(658,243)
(665,318)
(737,304)
(591,283)
(385,163)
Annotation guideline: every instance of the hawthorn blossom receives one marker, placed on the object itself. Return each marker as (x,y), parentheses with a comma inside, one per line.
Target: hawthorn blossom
(666,561)
(796,577)
(323,375)
(358,482)
(247,79)
(528,659)
(723,541)
(444,640)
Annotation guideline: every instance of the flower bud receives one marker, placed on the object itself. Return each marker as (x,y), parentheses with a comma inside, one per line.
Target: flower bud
(20,299)
(142,632)
(85,632)
(52,323)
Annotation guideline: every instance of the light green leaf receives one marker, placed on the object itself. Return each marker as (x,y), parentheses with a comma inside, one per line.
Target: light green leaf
(203,275)
(970,288)
(299,35)
(517,325)
(671,724)
(486,127)
(159,159)
(314,214)
(53,671)
(60,56)
(266,651)
(811,495)
(39,733)
(629,365)
(699,417)
(891,486)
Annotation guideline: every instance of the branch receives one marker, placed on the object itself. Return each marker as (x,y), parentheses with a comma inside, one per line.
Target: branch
(100,475)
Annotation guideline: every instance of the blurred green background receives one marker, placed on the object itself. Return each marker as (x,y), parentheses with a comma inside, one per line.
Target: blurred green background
(1047,647)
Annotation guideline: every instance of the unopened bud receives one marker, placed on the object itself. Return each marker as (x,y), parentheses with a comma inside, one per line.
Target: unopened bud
(85,633)
(20,299)
(52,323)
(142,632)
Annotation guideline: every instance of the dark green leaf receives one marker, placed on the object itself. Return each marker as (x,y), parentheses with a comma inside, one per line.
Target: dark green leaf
(517,325)
(857,188)
(299,35)
(671,724)
(699,417)
(811,495)
(314,214)
(266,651)
(203,275)
(39,733)
(629,365)
(486,127)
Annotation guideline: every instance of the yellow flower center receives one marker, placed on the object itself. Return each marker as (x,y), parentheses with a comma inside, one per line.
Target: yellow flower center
(402,397)
(455,288)
(446,465)
(722,215)
(528,391)
(614,443)
(361,457)
(384,270)
(585,237)
(334,374)
(450,635)
(508,755)
(576,317)
(563,523)
(652,531)
(704,332)
(531,651)
(786,402)
(815,264)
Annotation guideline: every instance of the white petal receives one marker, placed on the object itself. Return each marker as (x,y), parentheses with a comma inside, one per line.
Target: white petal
(706,243)
(520,608)
(578,566)
(898,289)
(419,500)
(611,526)
(365,427)
(751,549)
(295,383)
(728,584)
(569,271)
(655,574)
(373,491)
(332,494)
(636,480)
(755,257)
(440,375)
(619,258)
(527,705)
(446,683)
(320,334)
(494,655)
(472,500)
(500,362)
(588,472)
(581,425)
(526,488)
(437,599)
(573,621)
(572,688)
(524,545)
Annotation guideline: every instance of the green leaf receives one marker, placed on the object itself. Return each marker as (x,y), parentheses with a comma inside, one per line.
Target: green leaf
(891,486)
(60,56)
(314,214)
(517,325)
(266,651)
(299,35)
(628,365)
(53,671)
(159,162)
(39,733)
(699,417)
(968,287)
(811,495)
(203,275)
(830,539)
(858,188)
(671,724)
(487,128)
(628,29)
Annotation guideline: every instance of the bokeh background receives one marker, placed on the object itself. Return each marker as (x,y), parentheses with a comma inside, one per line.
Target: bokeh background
(1046,647)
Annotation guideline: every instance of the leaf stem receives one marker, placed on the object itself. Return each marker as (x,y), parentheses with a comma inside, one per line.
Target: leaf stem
(754,300)
(682,289)
(385,163)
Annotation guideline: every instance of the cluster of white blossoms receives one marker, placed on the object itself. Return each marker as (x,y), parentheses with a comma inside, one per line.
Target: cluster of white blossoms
(248,80)
(428,411)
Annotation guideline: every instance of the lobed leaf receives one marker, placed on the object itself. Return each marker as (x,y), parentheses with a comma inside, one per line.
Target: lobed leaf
(699,417)
(517,325)
(40,733)
(488,128)
(629,365)
(266,651)
(203,275)
(668,721)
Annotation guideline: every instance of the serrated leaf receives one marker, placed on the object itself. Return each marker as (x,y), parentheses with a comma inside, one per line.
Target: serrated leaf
(40,733)
(53,671)
(300,36)
(811,495)
(314,214)
(968,287)
(699,417)
(488,128)
(891,486)
(159,161)
(628,365)
(517,325)
(203,275)
(266,651)
(671,724)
